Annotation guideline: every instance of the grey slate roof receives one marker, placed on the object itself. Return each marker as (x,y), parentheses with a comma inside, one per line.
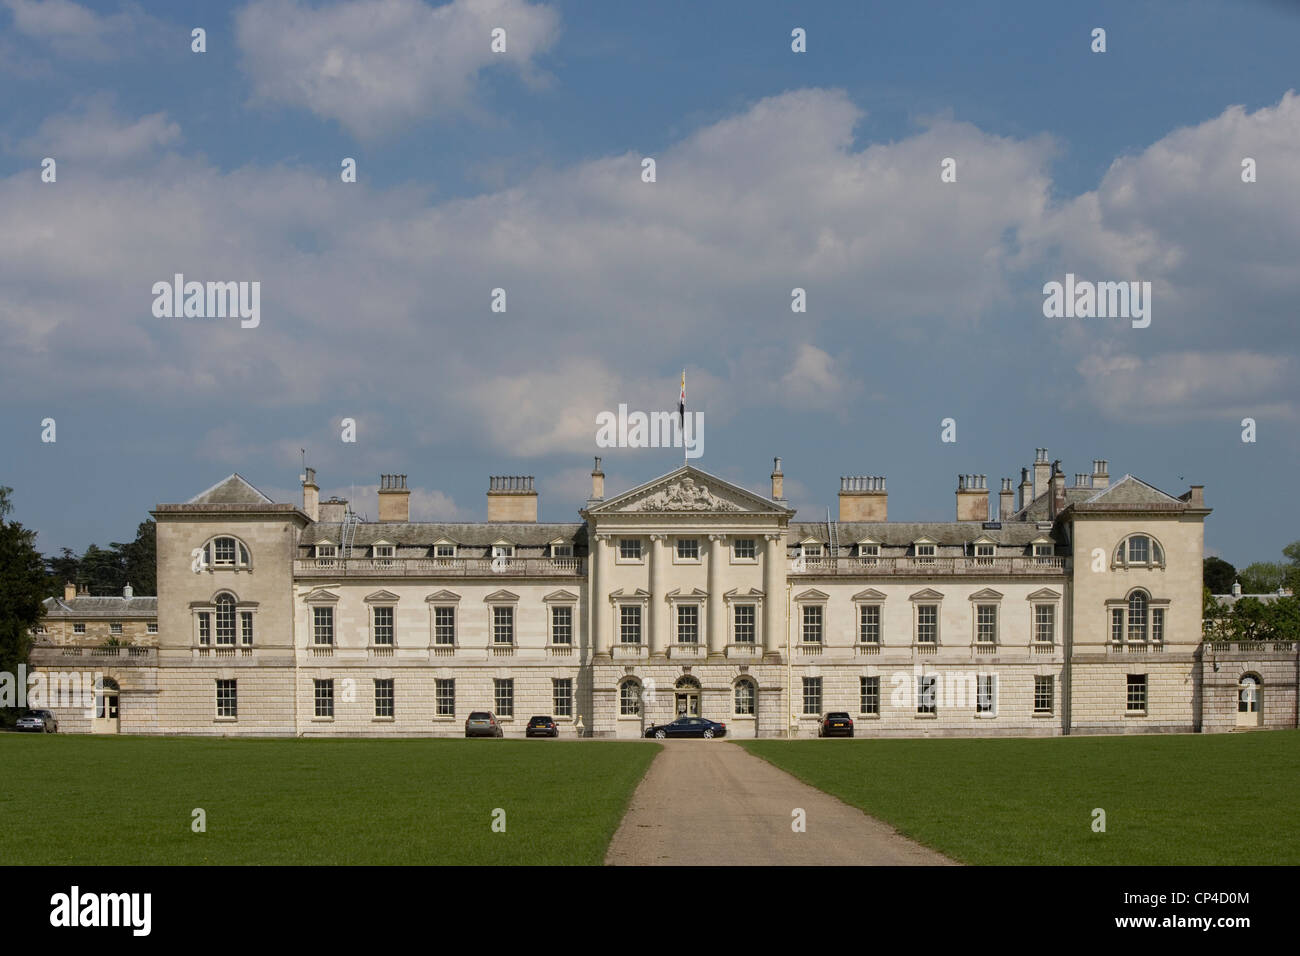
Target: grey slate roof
(1132,491)
(473,534)
(235,490)
(903,533)
(1040,508)
(117,608)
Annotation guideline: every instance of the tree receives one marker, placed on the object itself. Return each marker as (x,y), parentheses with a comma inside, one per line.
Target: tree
(22,586)
(139,558)
(1262,577)
(1219,575)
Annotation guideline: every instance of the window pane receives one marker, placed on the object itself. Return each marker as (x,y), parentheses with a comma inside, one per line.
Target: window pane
(745,623)
(562,625)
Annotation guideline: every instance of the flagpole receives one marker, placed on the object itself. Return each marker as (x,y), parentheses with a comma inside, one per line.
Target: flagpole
(685,458)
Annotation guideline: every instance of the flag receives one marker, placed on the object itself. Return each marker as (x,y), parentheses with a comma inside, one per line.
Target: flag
(681,402)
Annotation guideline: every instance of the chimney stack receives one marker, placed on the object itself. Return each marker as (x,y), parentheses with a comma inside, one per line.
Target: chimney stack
(863,498)
(128,592)
(1006,501)
(1057,489)
(332,511)
(394,498)
(69,591)
(1026,489)
(511,498)
(1195,496)
(1042,471)
(85,591)
(597,485)
(778,481)
(1082,480)
(310,494)
(1100,474)
(972,498)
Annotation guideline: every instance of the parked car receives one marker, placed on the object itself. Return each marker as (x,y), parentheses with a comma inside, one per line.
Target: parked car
(542,727)
(688,727)
(38,721)
(483,723)
(836,723)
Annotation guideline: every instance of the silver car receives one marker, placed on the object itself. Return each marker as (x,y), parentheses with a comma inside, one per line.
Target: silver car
(39,721)
(483,723)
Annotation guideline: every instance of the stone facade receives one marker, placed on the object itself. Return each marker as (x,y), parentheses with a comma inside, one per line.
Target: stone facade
(1078,612)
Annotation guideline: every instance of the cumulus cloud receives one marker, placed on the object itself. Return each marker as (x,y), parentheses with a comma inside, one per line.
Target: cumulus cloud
(97,132)
(374,65)
(73,30)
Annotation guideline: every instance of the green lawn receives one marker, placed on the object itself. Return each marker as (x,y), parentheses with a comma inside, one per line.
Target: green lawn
(1215,799)
(68,799)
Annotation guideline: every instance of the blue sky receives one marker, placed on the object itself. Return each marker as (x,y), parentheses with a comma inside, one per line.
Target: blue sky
(521,170)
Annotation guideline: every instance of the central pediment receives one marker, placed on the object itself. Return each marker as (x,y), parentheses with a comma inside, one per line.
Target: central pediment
(689,490)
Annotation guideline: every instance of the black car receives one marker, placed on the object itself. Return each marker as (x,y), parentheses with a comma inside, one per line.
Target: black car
(542,727)
(836,723)
(688,727)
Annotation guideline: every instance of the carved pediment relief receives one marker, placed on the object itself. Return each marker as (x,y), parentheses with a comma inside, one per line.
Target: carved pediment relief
(685,494)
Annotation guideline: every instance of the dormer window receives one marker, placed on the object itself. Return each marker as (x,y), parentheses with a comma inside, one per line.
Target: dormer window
(444,551)
(811,550)
(868,552)
(325,555)
(984,554)
(384,554)
(1044,551)
(924,552)
(561,550)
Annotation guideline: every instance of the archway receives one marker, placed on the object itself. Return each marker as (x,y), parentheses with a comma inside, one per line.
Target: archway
(1250,701)
(686,697)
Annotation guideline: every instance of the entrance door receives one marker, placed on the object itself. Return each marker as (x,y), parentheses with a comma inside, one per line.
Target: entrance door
(688,704)
(106,712)
(1250,703)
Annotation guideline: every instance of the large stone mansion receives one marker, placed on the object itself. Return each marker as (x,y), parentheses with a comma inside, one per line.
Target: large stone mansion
(1070,608)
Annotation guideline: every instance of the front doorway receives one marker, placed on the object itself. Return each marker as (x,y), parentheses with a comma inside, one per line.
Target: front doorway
(107,719)
(687,697)
(1250,702)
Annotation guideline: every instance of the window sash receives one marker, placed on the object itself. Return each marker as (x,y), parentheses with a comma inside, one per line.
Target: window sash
(503,625)
(812,695)
(322,626)
(1043,687)
(869,694)
(444,626)
(927,624)
(629,699)
(324,697)
(869,624)
(384,697)
(745,626)
(503,695)
(444,696)
(688,624)
(382,626)
(1045,623)
(227,698)
(562,696)
(745,549)
(629,624)
(744,702)
(986,623)
(561,625)
(812,624)
(688,549)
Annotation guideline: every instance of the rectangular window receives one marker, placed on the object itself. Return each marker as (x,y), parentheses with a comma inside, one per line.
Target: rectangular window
(227,699)
(812,550)
(324,697)
(926,694)
(629,549)
(384,555)
(986,694)
(503,625)
(1139,549)
(322,625)
(1157,624)
(745,549)
(115,628)
(1043,694)
(868,553)
(688,549)
(151,628)
(80,629)
(205,628)
(225,621)
(984,554)
(869,624)
(1043,552)
(503,696)
(325,554)
(246,628)
(869,692)
(444,551)
(812,624)
(561,625)
(562,696)
(986,623)
(382,625)
(925,554)
(1137,693)
(1117,625)
(223,551)
(444,696)
(444,626)
(746,616)
(927,624)
(384,697)
(1137,621)
(812,695)
(688,624)
(1045,623)
(561,550)
(629,631)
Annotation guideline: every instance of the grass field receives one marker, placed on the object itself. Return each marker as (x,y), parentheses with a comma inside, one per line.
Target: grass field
(1221,799)
(128,800)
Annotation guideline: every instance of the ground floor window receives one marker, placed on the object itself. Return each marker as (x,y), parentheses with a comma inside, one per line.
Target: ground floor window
(503,696)
(562,696)
(812,695)
(324,697)
(1248,695)
(869,691)
(227,699)
(444,696)
(629,699)
(384,697)
(745,698)
(986,694)
(1137,693)
(926,693)
(1043,687)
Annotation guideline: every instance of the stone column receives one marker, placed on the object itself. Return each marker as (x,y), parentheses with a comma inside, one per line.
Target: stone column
(717,606)
(774,593)
(657,612)
(599,637)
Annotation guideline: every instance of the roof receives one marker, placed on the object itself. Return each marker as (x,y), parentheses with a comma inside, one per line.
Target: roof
(473,534)
(1040,508)
(733,499)
(903,533)
(235,490)
(105,607)
(1231,599)
(1133,491)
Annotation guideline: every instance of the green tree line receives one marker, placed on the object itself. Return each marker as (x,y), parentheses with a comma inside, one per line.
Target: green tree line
(1249,618)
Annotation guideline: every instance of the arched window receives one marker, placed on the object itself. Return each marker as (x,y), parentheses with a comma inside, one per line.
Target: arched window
(225,551)
(745,697)
(629,698)
(1138,616)
(225,605)
(1139,551)
(687,682)
(1248,694)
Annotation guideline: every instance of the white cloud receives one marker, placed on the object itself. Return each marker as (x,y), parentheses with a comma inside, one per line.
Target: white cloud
(75,31)
(375,65)
(96,132)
